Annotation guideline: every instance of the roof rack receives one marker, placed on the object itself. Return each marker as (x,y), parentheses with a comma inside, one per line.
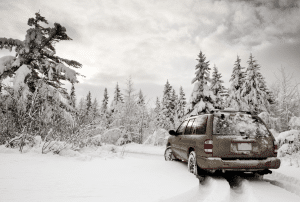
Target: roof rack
(232,111)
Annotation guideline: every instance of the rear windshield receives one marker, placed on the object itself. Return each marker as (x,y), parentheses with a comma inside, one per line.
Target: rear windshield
(238,124)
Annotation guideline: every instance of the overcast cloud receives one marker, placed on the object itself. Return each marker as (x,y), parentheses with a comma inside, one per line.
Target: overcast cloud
(156,41)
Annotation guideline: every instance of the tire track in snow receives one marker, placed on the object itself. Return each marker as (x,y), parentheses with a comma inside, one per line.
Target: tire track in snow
(262,190)
(286,182)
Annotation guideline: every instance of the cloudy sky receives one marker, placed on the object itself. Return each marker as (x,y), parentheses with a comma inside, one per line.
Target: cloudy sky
(155,41)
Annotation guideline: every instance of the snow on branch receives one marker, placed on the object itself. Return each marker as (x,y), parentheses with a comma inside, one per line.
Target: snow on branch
(70,74)
(21,73)
(10,43)
(6,63)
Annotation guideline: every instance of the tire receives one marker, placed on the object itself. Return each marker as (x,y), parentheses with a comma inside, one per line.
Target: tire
(169,156)
(195,169)
(192,163)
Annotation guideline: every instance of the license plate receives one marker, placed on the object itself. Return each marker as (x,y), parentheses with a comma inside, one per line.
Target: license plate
(244,146)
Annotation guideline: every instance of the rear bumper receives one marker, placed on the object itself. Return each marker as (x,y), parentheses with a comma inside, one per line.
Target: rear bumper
(238,165)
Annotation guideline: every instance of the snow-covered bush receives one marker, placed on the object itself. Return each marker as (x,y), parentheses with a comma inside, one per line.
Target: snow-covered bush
(288,142)
(158,138)
(290,136)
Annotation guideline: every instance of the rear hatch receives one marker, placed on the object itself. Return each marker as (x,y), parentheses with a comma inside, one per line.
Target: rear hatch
(241,136)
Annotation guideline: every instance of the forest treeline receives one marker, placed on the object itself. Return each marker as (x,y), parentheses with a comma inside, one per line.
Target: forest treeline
(37,104)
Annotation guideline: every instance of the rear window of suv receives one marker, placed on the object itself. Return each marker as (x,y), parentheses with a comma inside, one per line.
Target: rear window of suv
(238,124)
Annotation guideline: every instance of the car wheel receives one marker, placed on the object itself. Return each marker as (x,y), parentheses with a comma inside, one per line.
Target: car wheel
(192,163)
(169,156)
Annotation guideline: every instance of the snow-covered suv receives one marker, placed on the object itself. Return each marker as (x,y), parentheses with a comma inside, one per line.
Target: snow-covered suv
(224,141)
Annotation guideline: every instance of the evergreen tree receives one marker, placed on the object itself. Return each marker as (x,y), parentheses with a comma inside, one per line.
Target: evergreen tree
(217,87)
(104,107)
(36,60)
(202,98)
(237,79)
(253,93)
(173,105)
(157,110)
(118,99)
(88,101)
(181,104)
(141,99)
(73,96)
(167,109)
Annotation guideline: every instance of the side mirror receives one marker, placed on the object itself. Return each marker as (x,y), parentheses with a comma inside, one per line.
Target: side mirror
(172,132)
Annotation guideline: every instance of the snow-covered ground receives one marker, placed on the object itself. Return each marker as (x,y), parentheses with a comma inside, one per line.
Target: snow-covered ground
(106,175)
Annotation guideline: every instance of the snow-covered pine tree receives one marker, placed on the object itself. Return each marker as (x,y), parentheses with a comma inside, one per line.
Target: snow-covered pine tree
(174,103)
(88,102)
(157,110)
(141,99)
(104,111)
(118,99)
(254,97)
(202,98)
(181,104)
(36,61)
(104,107)
(167,108)
(73,96)
(234,99)
(217,88)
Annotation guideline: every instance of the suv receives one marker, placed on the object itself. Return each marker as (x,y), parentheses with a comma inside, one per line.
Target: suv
(224,141)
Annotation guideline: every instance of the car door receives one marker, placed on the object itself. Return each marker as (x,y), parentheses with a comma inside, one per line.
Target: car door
(195,133)
(175,144)
(184,140)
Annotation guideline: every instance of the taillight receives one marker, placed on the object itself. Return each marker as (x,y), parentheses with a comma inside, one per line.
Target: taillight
(208,146)
(275,148)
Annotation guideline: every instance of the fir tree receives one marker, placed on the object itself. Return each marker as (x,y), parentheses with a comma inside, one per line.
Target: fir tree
(202,98)
(234,99)
(167,109)
(88,101)
(104,107)
(73,96)
(181,104)
(118,99)
(253,93)
(36,60)
(217,87)
(141,99)
(157,110)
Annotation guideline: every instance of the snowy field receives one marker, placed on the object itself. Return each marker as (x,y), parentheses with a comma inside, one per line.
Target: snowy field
(139,176)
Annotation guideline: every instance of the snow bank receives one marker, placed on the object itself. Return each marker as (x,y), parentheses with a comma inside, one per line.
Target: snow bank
(144,149)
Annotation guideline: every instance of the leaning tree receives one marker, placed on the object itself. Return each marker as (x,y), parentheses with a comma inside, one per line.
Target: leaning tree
(38,75)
